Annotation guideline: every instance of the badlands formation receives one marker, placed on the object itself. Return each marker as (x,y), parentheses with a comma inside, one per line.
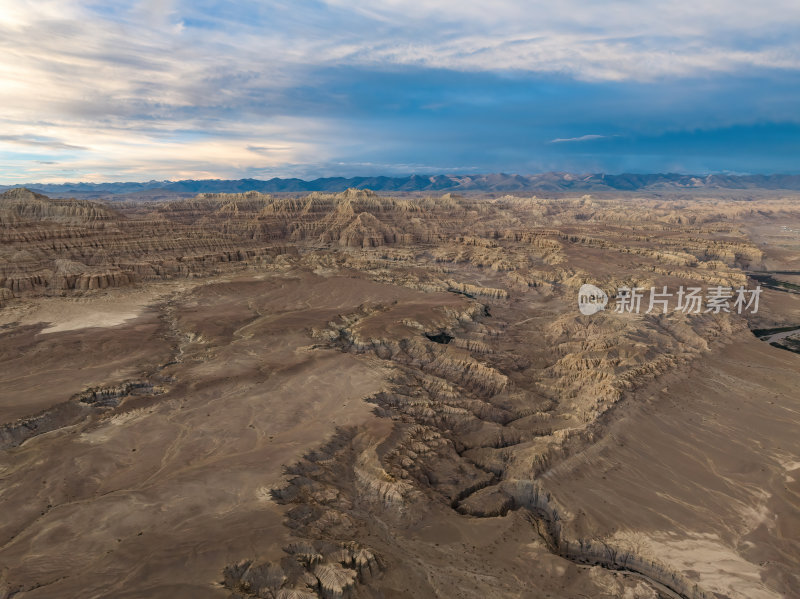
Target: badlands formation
(350,395)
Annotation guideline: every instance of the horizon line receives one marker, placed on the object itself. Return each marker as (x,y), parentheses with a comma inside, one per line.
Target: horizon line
(420,175)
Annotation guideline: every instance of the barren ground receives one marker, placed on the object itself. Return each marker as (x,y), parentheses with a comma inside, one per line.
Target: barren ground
(348,395)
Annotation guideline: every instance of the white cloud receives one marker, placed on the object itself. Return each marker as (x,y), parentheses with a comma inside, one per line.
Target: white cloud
(588,137)
(614,39)
(126,154)
(148,83)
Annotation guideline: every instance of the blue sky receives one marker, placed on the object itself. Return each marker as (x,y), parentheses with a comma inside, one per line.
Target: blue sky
(122,91)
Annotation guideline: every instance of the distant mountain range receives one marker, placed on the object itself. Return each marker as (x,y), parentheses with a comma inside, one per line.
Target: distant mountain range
(499,182)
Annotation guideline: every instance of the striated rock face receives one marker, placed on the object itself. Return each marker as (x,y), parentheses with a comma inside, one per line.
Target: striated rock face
(52,246)
(61,245)
(20,205)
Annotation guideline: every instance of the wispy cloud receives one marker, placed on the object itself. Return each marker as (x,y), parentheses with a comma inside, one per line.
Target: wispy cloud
(39,142)
(612,40)
(589,137)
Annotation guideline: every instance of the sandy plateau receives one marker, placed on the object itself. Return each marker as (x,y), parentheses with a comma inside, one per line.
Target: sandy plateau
(349,395)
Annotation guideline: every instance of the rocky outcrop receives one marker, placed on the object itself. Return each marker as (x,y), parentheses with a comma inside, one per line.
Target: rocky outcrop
(77,408)
(310,570)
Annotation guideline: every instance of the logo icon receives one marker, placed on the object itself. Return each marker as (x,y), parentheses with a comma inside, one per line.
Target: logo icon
(591,299)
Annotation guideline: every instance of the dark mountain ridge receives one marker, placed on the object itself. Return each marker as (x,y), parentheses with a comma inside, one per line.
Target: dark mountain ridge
(496,182)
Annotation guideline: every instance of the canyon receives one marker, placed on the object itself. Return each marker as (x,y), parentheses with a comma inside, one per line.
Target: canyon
(351,394)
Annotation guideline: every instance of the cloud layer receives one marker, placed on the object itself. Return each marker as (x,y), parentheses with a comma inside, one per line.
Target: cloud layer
(121,91)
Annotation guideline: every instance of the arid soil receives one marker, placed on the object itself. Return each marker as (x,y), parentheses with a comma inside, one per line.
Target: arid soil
(348,395)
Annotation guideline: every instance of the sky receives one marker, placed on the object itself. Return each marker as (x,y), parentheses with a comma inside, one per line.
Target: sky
(107,90)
